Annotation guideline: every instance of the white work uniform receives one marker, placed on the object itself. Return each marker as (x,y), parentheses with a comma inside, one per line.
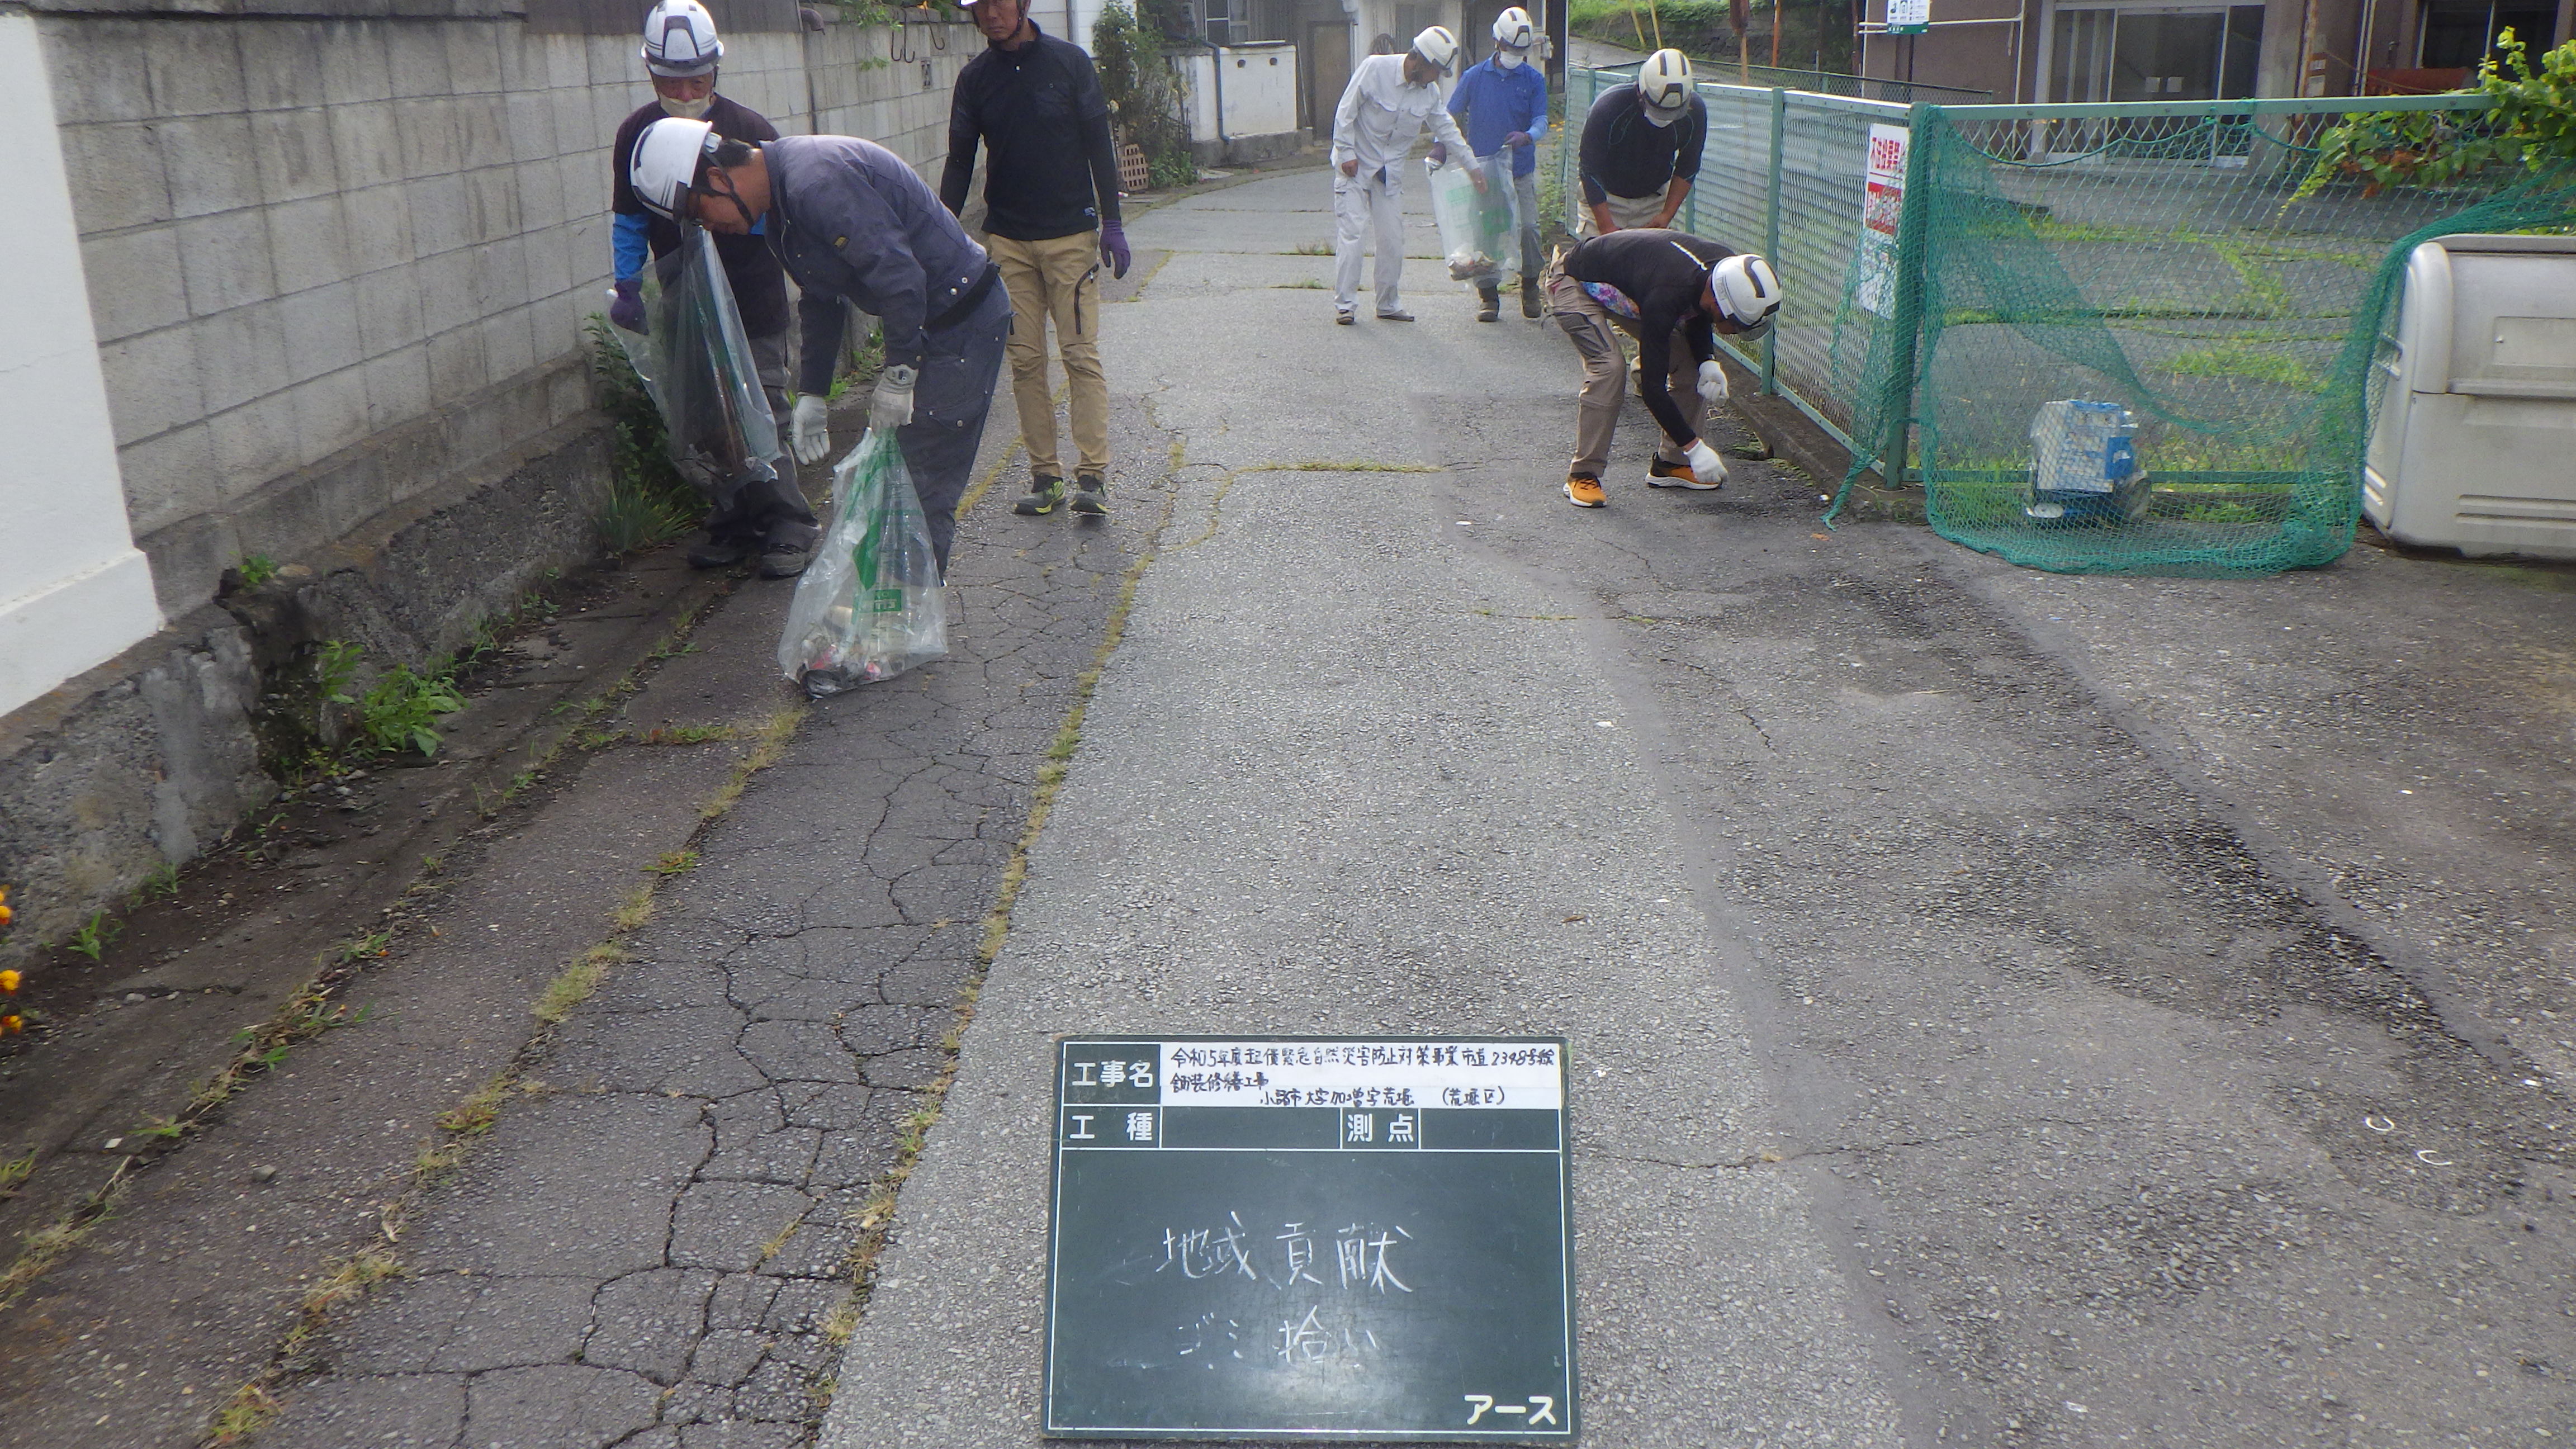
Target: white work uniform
(1379,119)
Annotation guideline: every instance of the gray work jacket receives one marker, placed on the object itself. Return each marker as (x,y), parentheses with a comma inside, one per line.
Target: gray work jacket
(850,219)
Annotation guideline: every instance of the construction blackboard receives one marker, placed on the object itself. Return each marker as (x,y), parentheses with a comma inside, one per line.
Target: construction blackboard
(1310,1238)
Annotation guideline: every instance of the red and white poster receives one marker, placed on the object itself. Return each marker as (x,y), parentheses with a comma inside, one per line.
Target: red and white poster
(1882,203)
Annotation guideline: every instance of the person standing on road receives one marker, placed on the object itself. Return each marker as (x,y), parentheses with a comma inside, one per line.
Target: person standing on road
(1501,104)
(853,223)
(1051,223)
(681,52)
(1641,147)
(1383,111)
(1674,293)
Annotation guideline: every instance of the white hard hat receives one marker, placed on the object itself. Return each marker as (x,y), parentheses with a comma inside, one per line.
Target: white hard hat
(666,162)
(1664,84)
(1746,289)
(680,39)
(1436,45)
(1513,28)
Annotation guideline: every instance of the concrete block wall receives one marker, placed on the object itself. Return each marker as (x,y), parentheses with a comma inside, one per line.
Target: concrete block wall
(303,236)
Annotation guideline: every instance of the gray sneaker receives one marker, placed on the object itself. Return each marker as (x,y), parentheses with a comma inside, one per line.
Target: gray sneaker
(1091,498)
(784,560)
(1046,490)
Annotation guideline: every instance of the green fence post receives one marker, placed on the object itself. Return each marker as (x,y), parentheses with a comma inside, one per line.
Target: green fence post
(1908,321)
(1771,235)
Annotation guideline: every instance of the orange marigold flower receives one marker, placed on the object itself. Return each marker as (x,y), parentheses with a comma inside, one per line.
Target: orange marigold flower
(9,980)
(12,1023)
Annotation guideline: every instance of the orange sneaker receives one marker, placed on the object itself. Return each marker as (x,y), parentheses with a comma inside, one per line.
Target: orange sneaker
(1584,492)
(1661,474)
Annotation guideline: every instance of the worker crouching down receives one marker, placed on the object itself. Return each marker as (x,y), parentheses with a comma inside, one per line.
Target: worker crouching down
(1676,294)
(853,223)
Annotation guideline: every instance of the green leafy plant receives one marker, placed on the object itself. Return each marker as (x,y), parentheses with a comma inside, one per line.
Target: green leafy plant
(95,935)
(402,710)
(162,881)
(648,502)
(1144,104)
(257,569)
(334,665)
(2533,121)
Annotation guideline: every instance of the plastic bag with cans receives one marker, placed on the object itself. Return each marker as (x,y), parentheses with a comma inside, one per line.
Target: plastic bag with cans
(870,606)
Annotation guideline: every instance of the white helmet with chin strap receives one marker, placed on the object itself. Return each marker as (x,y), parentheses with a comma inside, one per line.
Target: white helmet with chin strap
(666,161)
(1513,31)
(1664,86)
(680,39)
(1746,290)
(1436,45)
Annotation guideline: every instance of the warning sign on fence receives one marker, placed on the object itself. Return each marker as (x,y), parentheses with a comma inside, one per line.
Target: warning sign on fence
(1882,204)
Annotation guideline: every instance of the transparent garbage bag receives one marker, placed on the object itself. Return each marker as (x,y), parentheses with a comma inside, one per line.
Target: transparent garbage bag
(2084,464)
(1470,231)
(870,605)
(698,367)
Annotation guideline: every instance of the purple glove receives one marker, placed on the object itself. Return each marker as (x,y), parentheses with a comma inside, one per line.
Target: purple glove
(628,310)
(1439,153)
(1517,138)
(1113,248)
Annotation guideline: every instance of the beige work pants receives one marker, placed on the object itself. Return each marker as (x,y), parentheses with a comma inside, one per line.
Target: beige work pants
(1595,333)
(1057,279)
(1626,211)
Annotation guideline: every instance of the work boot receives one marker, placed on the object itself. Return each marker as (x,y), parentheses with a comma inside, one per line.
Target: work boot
(1345,316)
(784,558)
(1529,296)
(1661,474)
(1491,296)
(1046,490)
(1398,315)
(1091,496)
(711,552)
(1584,491)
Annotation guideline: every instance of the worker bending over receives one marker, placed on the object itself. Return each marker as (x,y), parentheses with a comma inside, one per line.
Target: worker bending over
(1676,294)
(1382,113)
(1641,147)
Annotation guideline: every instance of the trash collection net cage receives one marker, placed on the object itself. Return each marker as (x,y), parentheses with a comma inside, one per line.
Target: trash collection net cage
(2159,264)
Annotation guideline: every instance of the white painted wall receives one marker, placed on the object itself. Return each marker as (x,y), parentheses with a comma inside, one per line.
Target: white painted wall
(74,591)
(1260,90)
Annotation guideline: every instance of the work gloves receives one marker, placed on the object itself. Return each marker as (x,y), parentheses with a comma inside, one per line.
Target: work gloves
(626,309)
(1517,138)
(1712,381)
(1113,248)
(1439,153)
(1705,465)
(891,406)
(809,434)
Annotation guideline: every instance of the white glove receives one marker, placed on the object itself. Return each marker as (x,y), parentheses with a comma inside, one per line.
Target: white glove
(891,406)
(1712,381)
(809,432)
(1705,465)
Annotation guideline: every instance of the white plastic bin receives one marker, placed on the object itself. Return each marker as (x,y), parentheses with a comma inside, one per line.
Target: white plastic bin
(2475,445)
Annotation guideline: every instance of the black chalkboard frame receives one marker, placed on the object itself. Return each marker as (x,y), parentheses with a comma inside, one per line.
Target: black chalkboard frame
(1572,1427)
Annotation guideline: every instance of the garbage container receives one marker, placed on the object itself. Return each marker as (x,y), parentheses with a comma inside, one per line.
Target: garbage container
(2475,443)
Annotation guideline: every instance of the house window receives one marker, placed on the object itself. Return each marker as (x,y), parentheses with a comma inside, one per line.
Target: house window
(2457,34)
(2160,53)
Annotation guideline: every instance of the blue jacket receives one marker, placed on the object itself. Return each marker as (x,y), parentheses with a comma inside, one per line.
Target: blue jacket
(856,222)
(1491,103)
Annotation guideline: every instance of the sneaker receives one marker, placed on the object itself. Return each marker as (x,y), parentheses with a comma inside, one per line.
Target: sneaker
(1661,474)
(1398,315)
(1584,492)
(1091,499)
(718,553)
(1345,316)
(1046,490)
(1491,297)
(784,560)
(1529,296)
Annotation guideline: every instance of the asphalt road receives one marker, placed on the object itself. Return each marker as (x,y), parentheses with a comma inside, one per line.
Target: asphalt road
(1993,1020)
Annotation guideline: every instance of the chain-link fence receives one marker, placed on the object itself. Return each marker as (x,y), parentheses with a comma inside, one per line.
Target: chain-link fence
(2150,258)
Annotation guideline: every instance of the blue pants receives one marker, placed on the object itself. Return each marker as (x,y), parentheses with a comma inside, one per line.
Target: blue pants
(949,401)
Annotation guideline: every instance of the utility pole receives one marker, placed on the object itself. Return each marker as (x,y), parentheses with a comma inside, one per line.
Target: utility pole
(1556,38)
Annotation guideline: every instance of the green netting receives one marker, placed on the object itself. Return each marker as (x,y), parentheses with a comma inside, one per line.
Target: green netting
(2158,263)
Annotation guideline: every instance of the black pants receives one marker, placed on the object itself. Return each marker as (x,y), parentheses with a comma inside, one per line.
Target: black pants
(949,401)
(767,511)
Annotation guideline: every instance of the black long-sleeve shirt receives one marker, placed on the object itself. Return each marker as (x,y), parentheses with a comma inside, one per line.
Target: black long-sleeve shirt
(1624,154)
(1039,111)
(1664,273)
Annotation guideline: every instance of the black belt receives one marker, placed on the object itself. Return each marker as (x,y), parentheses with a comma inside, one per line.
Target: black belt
(967,300)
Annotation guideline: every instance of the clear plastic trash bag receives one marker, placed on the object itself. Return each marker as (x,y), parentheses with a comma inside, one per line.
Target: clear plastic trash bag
(697,364)
(1470,231)
(870,606)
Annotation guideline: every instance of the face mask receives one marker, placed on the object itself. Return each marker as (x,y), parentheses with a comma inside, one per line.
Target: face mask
(689,110)
(1658,117)
(1509,59)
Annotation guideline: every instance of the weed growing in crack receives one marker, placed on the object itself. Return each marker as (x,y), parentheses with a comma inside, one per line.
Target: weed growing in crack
(15,1171)
(254,1406)
(370,947)
(577,982)
(685,734)
(251,1409)
(673,862)
(95,935)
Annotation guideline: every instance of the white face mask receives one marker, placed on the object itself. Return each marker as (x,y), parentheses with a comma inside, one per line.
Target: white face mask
(1509,59)
(1658,117)
(689,110)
